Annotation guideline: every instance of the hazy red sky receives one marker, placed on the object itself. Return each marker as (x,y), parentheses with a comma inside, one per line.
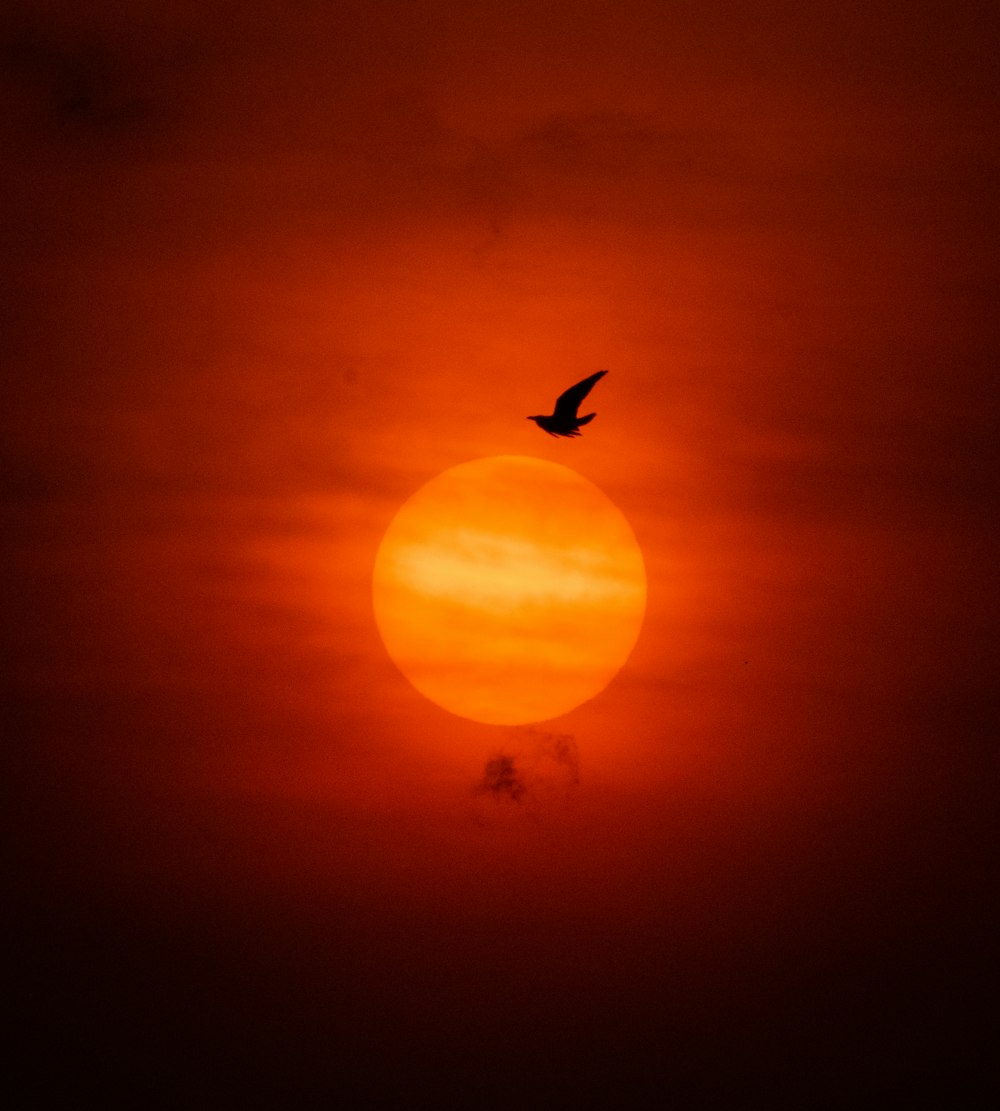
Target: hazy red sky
(269,268)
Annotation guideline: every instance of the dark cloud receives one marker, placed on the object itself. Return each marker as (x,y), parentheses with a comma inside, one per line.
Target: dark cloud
(85,87)
(502,779)
(538,766)
(596,166)
(109,87)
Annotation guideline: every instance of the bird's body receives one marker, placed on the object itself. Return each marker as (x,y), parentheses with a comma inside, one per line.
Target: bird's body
(564,420)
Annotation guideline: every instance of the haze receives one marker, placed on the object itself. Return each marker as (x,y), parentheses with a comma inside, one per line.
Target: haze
(267,270)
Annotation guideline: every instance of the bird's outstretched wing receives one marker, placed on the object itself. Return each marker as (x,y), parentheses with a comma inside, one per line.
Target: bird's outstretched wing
(569,401)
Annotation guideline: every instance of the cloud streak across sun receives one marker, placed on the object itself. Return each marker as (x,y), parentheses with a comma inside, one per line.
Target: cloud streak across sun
(492,571)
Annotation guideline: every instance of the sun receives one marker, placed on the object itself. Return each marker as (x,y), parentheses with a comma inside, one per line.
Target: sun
(509,590)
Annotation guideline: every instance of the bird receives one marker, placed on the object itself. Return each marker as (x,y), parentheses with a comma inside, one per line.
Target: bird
(564,420)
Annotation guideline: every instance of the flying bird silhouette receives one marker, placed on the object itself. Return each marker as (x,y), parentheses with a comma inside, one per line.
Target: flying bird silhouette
(564,421)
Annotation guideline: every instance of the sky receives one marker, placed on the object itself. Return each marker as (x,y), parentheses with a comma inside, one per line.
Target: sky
(268,269)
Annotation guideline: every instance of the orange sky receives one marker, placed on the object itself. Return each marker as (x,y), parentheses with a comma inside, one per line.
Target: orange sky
(268,269)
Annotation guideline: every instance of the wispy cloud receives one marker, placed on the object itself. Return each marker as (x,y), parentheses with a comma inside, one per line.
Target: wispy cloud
(502,778)
(536,770)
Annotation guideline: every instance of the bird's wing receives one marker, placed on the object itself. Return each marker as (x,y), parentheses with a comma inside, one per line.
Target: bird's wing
(569,401)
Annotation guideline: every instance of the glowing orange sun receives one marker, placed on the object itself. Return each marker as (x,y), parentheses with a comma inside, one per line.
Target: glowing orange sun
(509,590)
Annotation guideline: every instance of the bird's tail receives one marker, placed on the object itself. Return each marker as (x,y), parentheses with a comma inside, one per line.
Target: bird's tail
(585,420)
